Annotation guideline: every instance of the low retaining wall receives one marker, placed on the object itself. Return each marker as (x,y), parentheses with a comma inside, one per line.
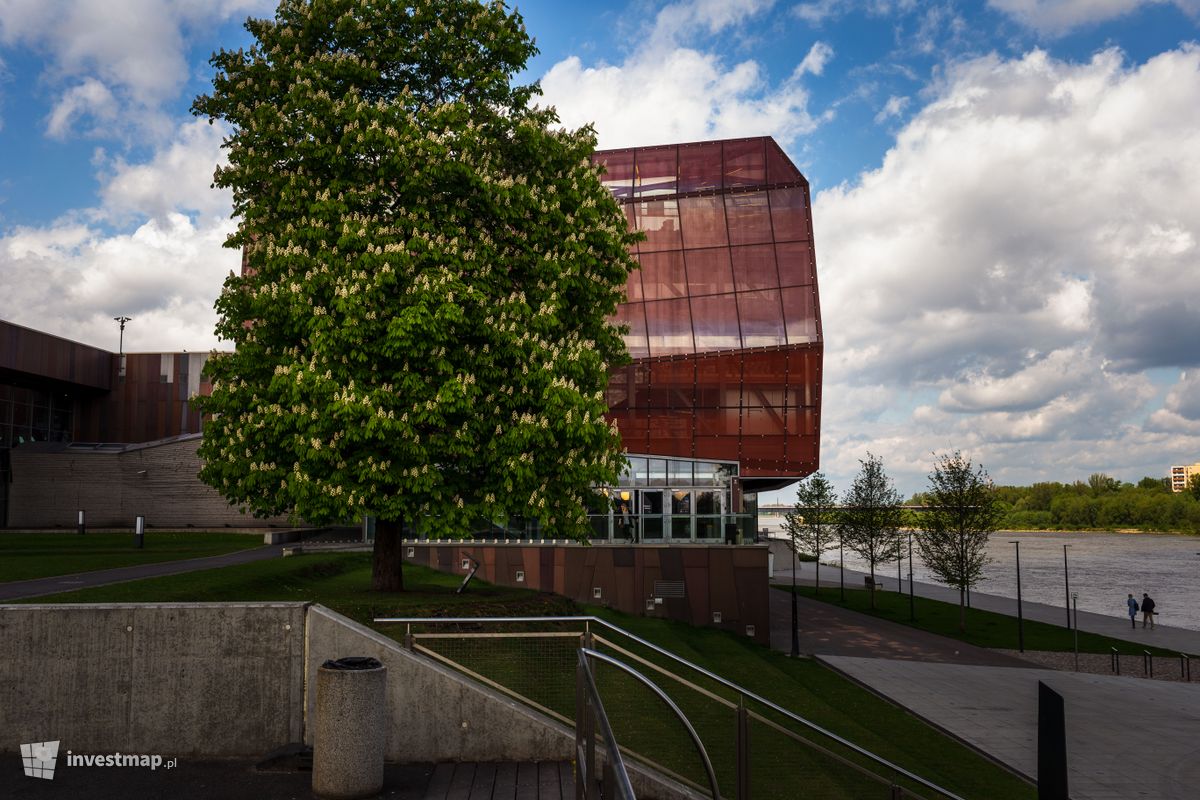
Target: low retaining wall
(437,715)
(688,582)
(205,680)
(189,679)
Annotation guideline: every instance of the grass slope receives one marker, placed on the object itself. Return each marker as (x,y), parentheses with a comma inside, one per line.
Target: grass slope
(544,670)
(25,556)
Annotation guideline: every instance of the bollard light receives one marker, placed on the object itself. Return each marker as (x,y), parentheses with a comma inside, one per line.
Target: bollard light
(80,527)
(139,531)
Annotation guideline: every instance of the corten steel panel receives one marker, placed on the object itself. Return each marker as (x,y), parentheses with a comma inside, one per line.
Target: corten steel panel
(699,603)
(726,298)
(545,570)
(722,590)
(533,567)
(38,356)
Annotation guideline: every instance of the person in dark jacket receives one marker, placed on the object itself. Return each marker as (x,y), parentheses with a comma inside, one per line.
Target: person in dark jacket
(1133,609)
(1147,610)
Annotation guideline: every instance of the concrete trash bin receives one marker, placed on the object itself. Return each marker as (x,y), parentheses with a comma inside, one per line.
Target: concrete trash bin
(350,728)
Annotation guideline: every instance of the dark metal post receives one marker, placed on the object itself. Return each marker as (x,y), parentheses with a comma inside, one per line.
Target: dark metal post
(1147,664)
(899,567)
(1067,584)
(841,567)
(80,527)
(1020,612)
(1052,745)
(743,751)
(795,614)
(1075,605)
(912,602)
(1114,660)
(139,531)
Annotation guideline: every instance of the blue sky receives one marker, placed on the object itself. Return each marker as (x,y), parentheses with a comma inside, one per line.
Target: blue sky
(1006,196)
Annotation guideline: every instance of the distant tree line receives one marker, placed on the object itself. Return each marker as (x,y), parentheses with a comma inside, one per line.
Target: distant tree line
(1099,503)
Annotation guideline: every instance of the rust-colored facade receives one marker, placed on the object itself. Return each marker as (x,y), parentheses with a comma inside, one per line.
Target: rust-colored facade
(716,585)
(724,318)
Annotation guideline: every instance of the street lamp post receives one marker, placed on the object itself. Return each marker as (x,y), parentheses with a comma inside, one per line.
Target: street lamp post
(1067,585)
(121,346)
(1020,614)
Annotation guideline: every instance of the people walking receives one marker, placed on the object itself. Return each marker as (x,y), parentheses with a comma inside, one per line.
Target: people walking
(1133,609)
(1147,610)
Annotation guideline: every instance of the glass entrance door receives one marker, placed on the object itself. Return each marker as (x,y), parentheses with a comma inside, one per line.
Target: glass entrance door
(650,510)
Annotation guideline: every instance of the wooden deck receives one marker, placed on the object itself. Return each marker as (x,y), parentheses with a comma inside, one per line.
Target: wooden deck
(546,780)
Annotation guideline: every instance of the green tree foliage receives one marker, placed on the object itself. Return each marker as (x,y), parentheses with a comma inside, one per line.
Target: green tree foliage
(422,335)
(1194,486)
(812,526)
(962,511)
(1148,506)
(871,516)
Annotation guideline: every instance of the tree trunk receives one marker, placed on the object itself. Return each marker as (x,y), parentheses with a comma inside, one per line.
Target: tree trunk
(386,573)
(817,589)
(871,591)
(962,609)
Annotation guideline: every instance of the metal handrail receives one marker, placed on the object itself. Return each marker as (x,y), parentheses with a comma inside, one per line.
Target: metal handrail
(616,762)
(621,665)
(711,675)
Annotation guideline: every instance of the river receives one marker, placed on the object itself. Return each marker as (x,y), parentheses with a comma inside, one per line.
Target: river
(1104,568)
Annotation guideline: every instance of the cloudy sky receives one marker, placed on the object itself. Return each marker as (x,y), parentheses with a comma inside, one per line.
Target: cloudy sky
(1006,196)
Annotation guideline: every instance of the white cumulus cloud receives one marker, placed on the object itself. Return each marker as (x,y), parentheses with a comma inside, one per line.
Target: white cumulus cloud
(1056,17)
(1024,252)
(668,91)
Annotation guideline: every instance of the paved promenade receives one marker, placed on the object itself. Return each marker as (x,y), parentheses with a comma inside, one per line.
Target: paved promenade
(1179,639)
(18,590)
(1126,738)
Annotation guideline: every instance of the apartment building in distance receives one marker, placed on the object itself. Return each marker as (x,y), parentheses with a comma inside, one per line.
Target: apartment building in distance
(1181,477)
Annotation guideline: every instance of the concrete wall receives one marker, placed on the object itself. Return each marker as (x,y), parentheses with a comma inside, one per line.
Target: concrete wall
(438,715)
(190,679)
(692,581)
(51,482)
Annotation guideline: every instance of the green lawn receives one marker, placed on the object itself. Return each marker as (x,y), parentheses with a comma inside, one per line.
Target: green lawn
(24,556)
(544,670)
(984,628)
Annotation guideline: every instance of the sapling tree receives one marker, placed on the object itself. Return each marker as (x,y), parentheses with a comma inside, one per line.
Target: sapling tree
(871,517)
(961,511)
(812,524)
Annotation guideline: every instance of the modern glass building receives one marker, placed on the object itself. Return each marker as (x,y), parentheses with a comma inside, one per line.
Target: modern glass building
(723,396)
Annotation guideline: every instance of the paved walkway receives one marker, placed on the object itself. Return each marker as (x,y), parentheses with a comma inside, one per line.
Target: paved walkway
(1180,639)
(240,780)
(37,587)
(829,629)
(1126,738)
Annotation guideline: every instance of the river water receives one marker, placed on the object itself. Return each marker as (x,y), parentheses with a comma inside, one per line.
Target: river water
(1103,568)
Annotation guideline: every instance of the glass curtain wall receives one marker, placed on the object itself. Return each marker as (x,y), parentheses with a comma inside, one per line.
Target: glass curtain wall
(667,500)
